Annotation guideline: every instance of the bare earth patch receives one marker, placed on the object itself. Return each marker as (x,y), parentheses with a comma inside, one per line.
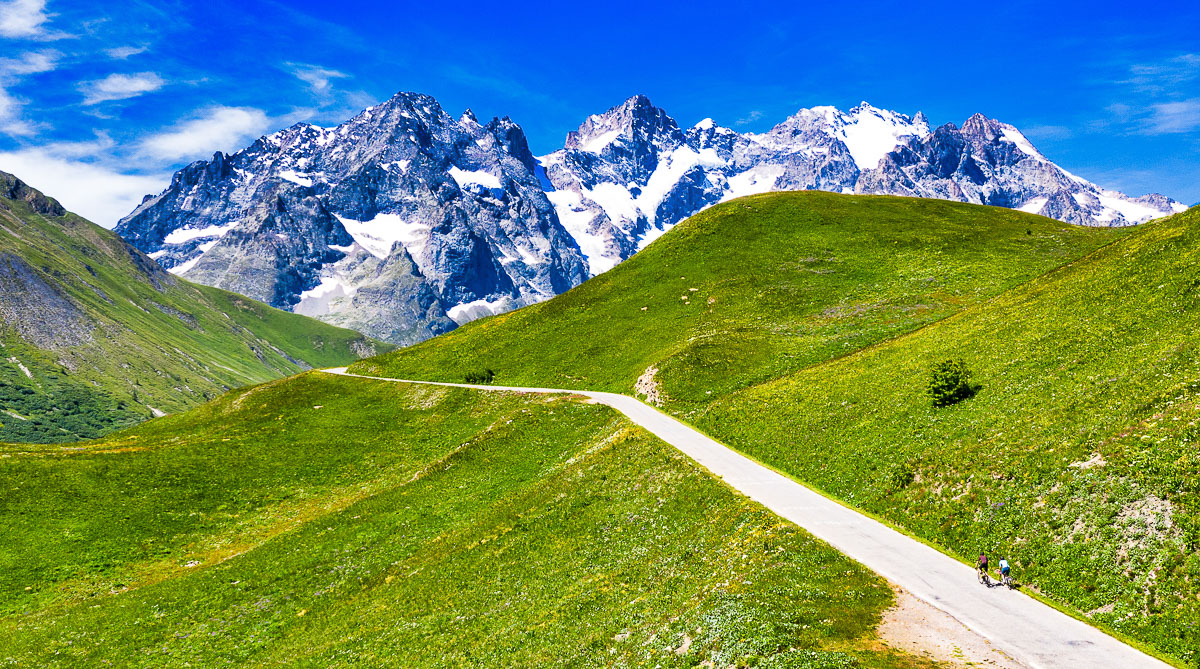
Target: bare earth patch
(647,385)
(918,628)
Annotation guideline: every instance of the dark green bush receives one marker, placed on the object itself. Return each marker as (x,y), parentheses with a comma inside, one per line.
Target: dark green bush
(485,376)
(949,383)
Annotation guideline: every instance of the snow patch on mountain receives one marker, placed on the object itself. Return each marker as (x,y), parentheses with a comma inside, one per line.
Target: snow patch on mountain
(869,133)
(468,178)
(381,233)
(188,234)
(476,309)
(296,178)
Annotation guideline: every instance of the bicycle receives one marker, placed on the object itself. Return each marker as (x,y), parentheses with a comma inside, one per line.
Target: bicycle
(984,578)
(1006,581)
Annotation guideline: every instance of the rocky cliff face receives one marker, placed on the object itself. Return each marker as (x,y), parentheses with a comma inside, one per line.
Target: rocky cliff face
(629,174)
(400,222)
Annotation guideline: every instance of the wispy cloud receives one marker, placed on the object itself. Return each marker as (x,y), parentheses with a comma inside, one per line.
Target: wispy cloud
(1158,98)
(32,62)
(11,72)
(212,129)
(1165,76)
(119,87)
(1173,117)
(753,116)
(125,52)
(26,19)
(318,78)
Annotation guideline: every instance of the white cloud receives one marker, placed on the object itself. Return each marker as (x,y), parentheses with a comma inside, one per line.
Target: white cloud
(119,87)
(123,52)
(318,78)
(25,19)
(1174,117)
(94,191)
(11,71)
(1164,76)
(31,62)
(213,129)
(753,116)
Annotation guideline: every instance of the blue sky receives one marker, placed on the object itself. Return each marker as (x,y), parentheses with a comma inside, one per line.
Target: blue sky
(100,102)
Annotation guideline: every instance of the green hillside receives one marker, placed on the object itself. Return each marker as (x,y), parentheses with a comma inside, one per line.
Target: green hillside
(95,336)
(812,332)
(750,290)
(1078,457)
(327,521)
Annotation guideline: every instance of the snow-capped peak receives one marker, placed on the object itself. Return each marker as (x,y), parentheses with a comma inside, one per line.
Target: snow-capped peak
(636,120)
(1009,133)
(871,133)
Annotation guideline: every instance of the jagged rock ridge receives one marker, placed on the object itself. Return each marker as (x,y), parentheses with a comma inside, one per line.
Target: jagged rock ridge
(629,174)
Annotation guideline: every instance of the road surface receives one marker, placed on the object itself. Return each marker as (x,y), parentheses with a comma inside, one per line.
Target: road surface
(1031,632)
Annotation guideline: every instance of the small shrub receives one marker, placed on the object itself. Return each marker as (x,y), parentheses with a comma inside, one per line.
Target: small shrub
(950,383)
(485,376)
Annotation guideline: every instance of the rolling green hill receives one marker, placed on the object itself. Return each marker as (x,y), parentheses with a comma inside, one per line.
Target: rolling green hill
(94,335)
(327,521)
(808,341)
(752,289)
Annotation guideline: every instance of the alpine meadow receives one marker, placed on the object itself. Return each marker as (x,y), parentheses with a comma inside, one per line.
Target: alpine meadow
(563,335)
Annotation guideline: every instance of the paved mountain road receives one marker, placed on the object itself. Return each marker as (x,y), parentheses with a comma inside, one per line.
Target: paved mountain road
(1031,632)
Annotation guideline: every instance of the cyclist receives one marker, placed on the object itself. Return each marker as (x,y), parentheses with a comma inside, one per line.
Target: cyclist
(982,568)
(1004,577)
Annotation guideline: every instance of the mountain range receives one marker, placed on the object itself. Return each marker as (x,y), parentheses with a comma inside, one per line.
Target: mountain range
(404,223)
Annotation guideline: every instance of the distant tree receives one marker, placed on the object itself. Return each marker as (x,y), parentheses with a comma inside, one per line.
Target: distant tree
(950,383)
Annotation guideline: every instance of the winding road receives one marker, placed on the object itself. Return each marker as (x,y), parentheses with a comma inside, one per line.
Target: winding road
(1029,631)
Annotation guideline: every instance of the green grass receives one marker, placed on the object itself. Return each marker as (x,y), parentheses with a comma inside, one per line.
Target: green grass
(1077,457)
(830,313)
(145,338)
(327,521)
(774,283)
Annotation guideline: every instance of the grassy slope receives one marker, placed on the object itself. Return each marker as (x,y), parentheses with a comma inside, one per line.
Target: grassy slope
(1098,359)
(782,281)
(339,522)
(169,346)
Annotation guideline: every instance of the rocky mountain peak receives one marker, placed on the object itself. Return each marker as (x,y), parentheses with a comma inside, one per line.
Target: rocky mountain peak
(637,123)
(13,188)
(441,220)
(981,128)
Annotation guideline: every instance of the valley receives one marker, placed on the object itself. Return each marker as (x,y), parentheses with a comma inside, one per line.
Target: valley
(95,336)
